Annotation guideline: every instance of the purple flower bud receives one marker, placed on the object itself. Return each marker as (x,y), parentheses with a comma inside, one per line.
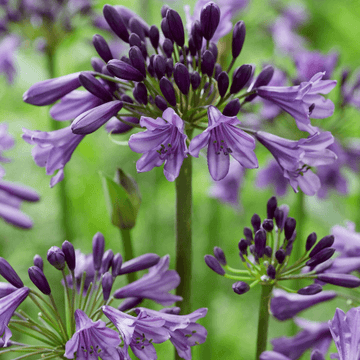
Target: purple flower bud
(134,40)
(207,63)
(310,241)
(161,103)
(271,271)
(238,38)
(126,59)
(165,29)
(8,273)
(106,261)
(209,19)
(223,83)
(219,255)
(168,91)
(256,222)
(310,290)
(129,303)
(124,71)
(141,262)
(248,233)
(140,93)
(268,251)
(115,126)
(214,264)
(136,27)
(97,64)
(169,67)
(197,35)
(240,78)
(280,256)
(106,283)
(289,227)
(116,265)
(260,242)
(182,78)
(252,249)
(102,48)
(56,257)
(218,71)
(93,119)
(176,27)
(154,36)
(164,10)
(192,48)
(94,86)
(268,225)
(344,280)
(321,256)
(98,245)
(325,242)
(69,252)
(159,66)
(240,287)
(214,50)
(232,108)
(38,261)
(115,21)
(127,98)
(137,59)
(262,80)
(168,47)
(271,207)
(39,280)
(243,245)
(279,218)
(195,80)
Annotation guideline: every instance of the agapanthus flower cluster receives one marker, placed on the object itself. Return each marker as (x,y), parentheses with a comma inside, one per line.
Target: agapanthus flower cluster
(265,252)
(173,87)
(89,283)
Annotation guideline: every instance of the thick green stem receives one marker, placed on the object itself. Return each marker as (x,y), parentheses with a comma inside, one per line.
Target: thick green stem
(263,323)
(128,251)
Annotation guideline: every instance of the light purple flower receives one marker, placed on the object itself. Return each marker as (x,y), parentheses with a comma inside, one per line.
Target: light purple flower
(223,138)
(6,143)
(272,355)
(8,46)
(164,141)
(53,149)
(92,340)
(299,101)
(347,240)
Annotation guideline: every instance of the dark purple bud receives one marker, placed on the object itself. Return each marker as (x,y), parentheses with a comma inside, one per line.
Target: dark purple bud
(240,287)
(310,290)
(223,83)
(169,67)
(218,71)
(197,35)
(39,280)
(280,256)
(176,27)
(271,271)
(240,78)
(124,71)
(106,261)
(238,38)
(38,261)
(97,64)
(321,256)
(164,10)
(325,242)
(209,19)
(98,245)
(106,283)
(323,266)
(260,242)
(69,252)
(161,103)
(344,280)
(116,265)
(207,63)
(136,27)
(154,36)
(102,48)
(248,233)
(8,273)
(219,255)
(252,249)
(134,40)
(168,47)
(159,66)
(94,86)
(243,245)
(195,80)
(182,78)
(112,86)
(192,48)
(262,80)
(56,257)
(165,29)
(268,251)
(232,108)
(115,21)
(137,59)
(317,355)
(268,225)
(129,303)
(168,91)
(271,207)
(126,59)
(256,222)
(279,218)
(289,227)
(140,93)
(214,265)
(127,98)
(141,262)
(310,241)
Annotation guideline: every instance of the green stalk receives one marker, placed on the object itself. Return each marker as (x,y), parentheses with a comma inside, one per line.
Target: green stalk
(128,251)
(263,323)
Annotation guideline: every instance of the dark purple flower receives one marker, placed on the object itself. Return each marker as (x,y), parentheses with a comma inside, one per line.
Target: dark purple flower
(39,280)
(92,340)
(164,141)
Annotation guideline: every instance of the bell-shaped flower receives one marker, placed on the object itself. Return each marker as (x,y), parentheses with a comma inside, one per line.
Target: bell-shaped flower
(92,340)
(164,141)
(223,138)
(53,149)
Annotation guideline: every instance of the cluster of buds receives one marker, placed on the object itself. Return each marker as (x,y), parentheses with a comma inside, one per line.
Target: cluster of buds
(265,253)
(88,286)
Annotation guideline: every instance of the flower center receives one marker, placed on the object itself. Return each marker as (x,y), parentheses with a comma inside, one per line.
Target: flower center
(220,143)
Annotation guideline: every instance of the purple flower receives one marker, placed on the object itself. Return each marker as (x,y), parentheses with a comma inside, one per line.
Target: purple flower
(6,289)
(164,141)
(8,46)
(6,143)
(8,305)
(92,340)
(154,285)
(52,149)
(272,355)
(223,138)
(299,101)
(347,240)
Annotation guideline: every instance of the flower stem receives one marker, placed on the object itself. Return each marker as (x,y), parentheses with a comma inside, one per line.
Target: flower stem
(263,323)
(128,251)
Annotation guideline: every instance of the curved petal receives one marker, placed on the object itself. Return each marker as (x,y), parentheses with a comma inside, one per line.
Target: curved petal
(148,161)
(218,163)
(309,183)
(143,142)
(173,164)
(199,142)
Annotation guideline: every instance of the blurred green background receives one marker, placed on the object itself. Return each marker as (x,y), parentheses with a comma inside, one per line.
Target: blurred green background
(232,319)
